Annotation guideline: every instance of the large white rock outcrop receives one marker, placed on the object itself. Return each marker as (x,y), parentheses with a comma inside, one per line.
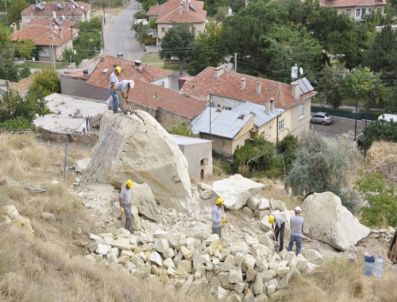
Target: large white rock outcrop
(236,190)
(136,146)
(327,220)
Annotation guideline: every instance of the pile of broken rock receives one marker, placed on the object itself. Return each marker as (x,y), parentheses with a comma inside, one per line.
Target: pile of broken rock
(246,270)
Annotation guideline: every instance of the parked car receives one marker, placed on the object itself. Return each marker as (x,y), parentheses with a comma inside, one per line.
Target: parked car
(322,118)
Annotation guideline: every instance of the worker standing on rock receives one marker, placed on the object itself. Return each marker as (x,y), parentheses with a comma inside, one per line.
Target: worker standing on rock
(123,87)
(278,225)
(125,203)
(218,219)
(392,253)
(296,226)
(113,79)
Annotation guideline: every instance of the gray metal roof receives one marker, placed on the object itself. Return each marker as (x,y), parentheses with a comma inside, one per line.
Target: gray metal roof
(187,140)
(261,116)
(224,123)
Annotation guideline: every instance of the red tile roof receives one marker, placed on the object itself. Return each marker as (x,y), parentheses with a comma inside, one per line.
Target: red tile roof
(100,75)
(352,3)
(156,97)
(43,35)
(80,8)
(67,25)
(228,85)
(172,12)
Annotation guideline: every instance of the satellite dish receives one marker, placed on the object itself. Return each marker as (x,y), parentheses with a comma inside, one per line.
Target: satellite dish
(301,71)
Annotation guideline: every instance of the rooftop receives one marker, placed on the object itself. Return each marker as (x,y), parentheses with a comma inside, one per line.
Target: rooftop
(352,3)
(177,11)
(230,84)
(157,97)
(60,124)
(224,123)
(100,75)
(64,8)
(71,106)
(43,35)
(187,140)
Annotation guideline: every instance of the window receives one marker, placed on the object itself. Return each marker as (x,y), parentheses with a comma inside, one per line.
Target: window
(281,124)
(301,111)
(358,13)
(363,12)
(348,11)
(163,29)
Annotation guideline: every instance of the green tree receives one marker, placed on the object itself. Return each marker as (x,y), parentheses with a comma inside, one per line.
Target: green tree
(15,9)
(177,42)
(382,55)
(25,48)
(13,106)
(321,165)
(364,86)
(4,35)
(288,148)
(45,82)
(89,41)
(207,50)
(330,84)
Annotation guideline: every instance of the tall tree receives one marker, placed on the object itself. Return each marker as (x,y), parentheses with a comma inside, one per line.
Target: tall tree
(207,50)
(25,48)
(330,84)
(382,55)
(177,42)
(15,9)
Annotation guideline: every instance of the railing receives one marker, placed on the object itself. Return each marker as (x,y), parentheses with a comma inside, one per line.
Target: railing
(371,116)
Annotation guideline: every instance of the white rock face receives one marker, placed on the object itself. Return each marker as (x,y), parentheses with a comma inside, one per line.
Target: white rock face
(328,221)
(144,200)
(236,190)
(155,258)
(136,146)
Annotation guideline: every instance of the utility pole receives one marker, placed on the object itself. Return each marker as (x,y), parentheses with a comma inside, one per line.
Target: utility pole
(235,61)
(210,109)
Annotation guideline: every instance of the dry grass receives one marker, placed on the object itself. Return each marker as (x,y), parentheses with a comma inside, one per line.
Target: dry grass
(51,266)
(340,281)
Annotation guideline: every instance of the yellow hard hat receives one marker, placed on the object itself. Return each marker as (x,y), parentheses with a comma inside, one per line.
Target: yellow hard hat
(130,183)
(219,201)
(270,219)
(118,69)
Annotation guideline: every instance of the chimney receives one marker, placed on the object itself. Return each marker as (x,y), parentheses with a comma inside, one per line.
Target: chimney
(180,9)
(267,107)
(258,87)
(271,104)
(219,71)
(295,91)
(242,84)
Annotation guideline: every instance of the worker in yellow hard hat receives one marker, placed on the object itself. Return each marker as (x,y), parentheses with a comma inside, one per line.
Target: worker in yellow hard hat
(113,79)
(218,217)
(125,203)
(278,225)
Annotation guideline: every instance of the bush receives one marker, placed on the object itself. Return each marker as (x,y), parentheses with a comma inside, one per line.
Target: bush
(24,71)
(181,129)
(140,14)
(381,198)
(288,148)
(379,131)
(321,165)
(45,82)
(256,155)
(17,124)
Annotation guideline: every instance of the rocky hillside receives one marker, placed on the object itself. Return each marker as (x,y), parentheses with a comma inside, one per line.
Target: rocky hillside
(61,240)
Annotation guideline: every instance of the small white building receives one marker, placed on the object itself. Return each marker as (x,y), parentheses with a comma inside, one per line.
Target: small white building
(198,153)
(70,118)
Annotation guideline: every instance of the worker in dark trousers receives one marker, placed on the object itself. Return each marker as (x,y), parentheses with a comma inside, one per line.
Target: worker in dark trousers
(278,225)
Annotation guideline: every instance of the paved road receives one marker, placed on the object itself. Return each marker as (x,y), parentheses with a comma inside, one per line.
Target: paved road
(118,35)
(341,126)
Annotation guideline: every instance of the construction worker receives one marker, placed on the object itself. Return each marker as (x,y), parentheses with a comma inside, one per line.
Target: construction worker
(218,219)
(123,87)
(125,203)
(296,226)
(113,79)
(278,225)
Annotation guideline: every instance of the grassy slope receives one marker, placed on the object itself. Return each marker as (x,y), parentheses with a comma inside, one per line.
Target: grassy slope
(51,266)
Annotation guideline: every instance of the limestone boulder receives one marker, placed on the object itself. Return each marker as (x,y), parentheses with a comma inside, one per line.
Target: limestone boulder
(144,200)
(136,146)
(327,220)
(236,190)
